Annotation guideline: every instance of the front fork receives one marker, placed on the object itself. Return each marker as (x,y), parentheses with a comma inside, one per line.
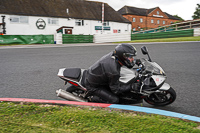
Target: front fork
(164,87)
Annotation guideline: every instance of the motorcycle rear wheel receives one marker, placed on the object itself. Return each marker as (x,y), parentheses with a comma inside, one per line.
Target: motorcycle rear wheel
(162,98)
(74,90)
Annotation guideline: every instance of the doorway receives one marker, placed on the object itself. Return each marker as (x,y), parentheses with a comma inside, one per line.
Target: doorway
(68,31)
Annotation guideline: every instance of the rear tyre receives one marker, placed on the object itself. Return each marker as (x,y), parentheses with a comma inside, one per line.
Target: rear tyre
(161,98)
(72,89)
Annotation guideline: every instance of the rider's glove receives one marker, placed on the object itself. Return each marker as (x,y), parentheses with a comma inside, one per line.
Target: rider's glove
(141,68)
(138,62)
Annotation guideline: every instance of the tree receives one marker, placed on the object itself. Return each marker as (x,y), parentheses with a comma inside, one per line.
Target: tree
(197,12)
(178,17)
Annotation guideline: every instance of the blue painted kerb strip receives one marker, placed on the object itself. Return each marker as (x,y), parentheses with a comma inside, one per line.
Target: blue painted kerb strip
(117,106)
(155,111)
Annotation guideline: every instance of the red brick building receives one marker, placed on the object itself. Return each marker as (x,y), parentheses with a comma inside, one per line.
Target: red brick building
(143,19)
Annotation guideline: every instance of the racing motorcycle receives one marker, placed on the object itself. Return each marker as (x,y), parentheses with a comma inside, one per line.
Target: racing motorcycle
(151,76)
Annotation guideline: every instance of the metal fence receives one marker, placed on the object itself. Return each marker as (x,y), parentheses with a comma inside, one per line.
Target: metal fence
(77,38)
(168,34)
(177,26)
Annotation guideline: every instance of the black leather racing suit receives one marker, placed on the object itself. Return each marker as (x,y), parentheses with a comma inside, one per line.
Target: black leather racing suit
(102,79)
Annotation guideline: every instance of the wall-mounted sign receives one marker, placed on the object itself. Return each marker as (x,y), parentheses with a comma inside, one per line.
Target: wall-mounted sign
(100,28)
(160,16)
(40,23)
(115,31)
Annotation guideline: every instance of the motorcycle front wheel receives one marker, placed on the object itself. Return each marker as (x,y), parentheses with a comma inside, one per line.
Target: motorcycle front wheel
(161,98)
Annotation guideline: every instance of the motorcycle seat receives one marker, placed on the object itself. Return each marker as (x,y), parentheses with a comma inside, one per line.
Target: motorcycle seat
(73,73)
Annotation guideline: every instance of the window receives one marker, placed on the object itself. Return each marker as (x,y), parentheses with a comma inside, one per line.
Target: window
(79,22)
(23,19)
(14,19)
(133,29)
(19,19)
(141,20)
(158,13)
(158,21)
(53,21)
(152,21)
(134,19)
(67,10)
(163,22)
(106,23)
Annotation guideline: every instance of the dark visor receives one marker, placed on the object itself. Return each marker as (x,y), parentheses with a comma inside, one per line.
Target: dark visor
(128,55)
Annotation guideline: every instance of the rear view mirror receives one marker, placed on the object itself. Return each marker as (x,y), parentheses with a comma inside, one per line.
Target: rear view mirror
(144,50)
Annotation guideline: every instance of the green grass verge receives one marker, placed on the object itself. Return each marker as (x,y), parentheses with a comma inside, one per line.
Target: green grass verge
(34,118)
(178,39)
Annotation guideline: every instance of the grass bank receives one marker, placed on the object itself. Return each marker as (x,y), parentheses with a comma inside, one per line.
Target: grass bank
(44,118)
(178,39)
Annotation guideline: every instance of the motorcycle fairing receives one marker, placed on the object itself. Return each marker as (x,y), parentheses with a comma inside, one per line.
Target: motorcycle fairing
(74,82)
(126,74)
(165,86)
(158,79)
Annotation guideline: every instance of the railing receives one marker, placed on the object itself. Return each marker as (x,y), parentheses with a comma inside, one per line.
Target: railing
(168,34)
(177,26)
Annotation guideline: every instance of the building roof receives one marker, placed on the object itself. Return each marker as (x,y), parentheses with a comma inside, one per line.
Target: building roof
(127,10)
(171,17)
(78,9)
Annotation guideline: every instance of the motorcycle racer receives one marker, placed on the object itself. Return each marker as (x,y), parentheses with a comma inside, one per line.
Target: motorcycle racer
(102,78)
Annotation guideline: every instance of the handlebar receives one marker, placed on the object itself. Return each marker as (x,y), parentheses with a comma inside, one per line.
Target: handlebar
(141,67)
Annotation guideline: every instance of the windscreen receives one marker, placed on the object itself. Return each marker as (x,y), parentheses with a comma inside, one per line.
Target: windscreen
(152,67)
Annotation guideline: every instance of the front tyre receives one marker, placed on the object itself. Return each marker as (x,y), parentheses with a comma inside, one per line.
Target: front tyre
(161,98)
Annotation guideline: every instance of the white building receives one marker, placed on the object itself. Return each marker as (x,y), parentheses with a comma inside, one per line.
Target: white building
(33,17)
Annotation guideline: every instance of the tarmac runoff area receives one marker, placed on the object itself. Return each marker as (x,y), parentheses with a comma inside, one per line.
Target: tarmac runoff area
(114,106)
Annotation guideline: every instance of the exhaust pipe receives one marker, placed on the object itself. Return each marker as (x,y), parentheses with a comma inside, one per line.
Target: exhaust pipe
(68,96)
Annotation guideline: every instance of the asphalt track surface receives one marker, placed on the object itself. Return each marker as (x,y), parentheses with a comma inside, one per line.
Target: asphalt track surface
(31,71)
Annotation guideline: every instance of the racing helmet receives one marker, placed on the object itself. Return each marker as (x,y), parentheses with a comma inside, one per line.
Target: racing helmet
(124,52)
